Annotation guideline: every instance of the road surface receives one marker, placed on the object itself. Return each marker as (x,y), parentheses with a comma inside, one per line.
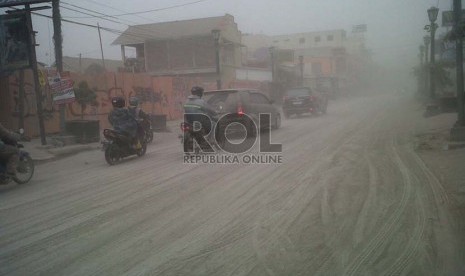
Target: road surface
(351,198)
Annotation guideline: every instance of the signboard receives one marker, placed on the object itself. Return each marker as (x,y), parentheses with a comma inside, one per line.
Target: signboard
(14,42)
(448,18)
(11,3)
(362,28)
(62,90)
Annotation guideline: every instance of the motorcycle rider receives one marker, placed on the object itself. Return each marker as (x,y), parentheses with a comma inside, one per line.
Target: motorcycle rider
(135,110)
(9,154)
(138,114)
(196,105)
(122,121)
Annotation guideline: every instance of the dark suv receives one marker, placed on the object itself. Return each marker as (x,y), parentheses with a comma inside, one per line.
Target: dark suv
(240,102)
(302,100)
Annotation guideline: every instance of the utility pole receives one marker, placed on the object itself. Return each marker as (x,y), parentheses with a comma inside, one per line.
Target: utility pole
(301,65)
(432,15)
(427,41)
(101,46)
(21,100)
(58,40)
(458,131)
(216,36)
(80,63)
(273,71)
(35,72)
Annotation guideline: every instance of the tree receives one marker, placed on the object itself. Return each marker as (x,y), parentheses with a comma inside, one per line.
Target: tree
(85,96)
(440,73)
(94,69)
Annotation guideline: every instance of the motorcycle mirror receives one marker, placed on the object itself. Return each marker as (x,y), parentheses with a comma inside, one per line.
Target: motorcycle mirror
(21,131)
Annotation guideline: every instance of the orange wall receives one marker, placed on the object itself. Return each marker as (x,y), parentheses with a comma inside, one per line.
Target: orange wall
(326,64)
(159,95)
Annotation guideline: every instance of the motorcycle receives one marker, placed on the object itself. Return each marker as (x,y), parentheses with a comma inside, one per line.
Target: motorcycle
(188,137)
(25,169)
(118,146)
(148,131)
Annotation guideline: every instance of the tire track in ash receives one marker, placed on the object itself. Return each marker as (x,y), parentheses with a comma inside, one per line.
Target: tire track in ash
(305,176)
(341,153)
(322,264)
(444,223)
(385,234)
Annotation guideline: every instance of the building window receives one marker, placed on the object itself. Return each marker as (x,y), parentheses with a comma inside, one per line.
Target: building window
(317,39)
(330,37)
(302,40)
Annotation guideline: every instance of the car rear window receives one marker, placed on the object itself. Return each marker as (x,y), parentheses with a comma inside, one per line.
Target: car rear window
(224,99)
(299,92)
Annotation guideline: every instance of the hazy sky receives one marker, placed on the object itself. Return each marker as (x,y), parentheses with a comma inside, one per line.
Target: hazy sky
(395,27)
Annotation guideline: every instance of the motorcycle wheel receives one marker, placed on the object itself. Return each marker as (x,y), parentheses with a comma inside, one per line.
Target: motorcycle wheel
(149,137)
(112,155)
(25,170)
(141,152)
(4,180)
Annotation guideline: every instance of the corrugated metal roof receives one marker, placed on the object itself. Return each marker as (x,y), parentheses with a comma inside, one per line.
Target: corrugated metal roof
(170,30)
(72,64)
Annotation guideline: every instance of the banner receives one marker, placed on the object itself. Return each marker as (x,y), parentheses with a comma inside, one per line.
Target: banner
(14,42)
(62,90)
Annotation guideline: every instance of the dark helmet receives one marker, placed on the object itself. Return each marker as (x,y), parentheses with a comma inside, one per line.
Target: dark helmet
(133,101)
(197,91)
(118,102)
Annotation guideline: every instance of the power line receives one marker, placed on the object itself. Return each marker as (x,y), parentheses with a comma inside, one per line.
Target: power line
(102,15)
(114,31)
(116,9)
(142,34)
(154,10)
(104,18)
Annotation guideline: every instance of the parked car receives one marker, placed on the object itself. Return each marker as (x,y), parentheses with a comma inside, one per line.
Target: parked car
(240,102)
(302,100)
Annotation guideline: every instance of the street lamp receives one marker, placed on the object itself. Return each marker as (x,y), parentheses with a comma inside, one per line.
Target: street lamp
(422,53)
(432,15)
(301,64)
(216,36)
(427,41)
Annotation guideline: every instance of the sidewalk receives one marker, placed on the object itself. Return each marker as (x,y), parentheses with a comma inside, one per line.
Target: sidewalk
(52,151)
(445,159)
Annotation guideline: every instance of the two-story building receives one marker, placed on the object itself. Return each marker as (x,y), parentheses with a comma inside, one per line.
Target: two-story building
(323,54)
(186,48)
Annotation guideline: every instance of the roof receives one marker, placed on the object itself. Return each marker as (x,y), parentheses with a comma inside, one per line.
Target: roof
(72,64)
(230,90)
(138,34)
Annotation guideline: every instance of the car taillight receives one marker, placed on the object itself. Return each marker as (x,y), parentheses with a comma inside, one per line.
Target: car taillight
(312,98)
(185,127)
(240,110)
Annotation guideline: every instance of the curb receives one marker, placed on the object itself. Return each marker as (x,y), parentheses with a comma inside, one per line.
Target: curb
(61,153)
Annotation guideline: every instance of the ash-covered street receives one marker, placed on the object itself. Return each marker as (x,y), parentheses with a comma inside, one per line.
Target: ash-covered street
(352,197)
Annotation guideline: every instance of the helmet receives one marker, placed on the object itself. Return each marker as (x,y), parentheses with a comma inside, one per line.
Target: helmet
(133,101)
(118,102)
(197,91)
